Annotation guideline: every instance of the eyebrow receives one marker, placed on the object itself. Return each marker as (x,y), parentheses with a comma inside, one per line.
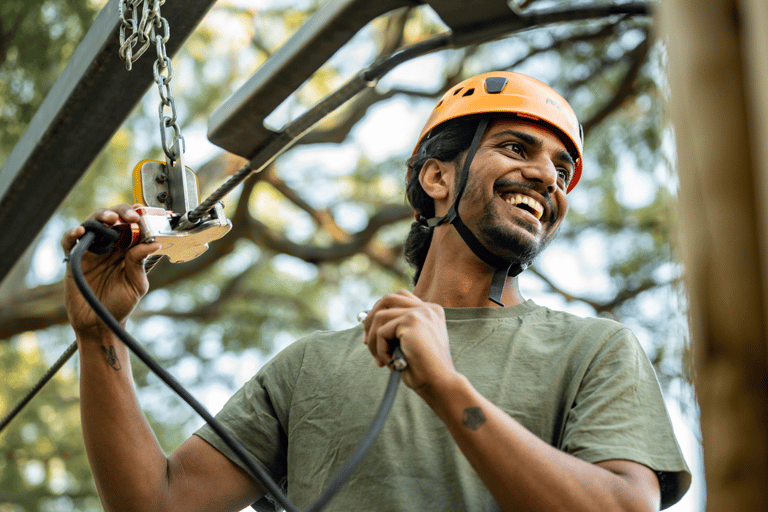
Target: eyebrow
(536,143)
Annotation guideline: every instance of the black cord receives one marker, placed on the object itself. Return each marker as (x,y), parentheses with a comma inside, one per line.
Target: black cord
(269,485)
(373,432)
(104,241)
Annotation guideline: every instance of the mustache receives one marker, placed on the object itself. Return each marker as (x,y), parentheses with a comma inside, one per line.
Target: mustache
(505,183)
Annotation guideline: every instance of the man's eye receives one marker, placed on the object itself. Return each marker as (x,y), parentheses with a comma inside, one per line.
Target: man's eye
(563,174)
(514,147)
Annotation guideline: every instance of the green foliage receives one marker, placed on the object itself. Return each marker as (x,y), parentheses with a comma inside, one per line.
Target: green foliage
(213,326)
(37,38)
(42,460)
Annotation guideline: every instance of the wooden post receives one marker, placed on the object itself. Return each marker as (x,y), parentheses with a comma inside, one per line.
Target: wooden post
(717,61)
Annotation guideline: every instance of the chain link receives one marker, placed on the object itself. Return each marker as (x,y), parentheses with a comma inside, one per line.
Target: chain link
(142,25)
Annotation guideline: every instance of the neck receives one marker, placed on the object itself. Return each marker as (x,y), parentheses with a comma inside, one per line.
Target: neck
(454,277)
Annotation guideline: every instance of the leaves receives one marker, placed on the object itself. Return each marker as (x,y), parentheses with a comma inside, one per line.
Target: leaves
(37,37)
(318,236)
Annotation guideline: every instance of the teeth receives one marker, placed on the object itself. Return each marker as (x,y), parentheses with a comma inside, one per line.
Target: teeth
(516,199)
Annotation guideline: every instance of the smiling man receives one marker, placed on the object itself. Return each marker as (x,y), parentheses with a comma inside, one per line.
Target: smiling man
(511,406)
(552,411)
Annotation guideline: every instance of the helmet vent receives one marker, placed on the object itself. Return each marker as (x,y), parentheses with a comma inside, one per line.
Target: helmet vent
(469,92)
(495,84)
(457,91)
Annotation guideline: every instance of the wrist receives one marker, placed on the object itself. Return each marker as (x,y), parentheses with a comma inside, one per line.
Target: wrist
(446,391)
(95,336)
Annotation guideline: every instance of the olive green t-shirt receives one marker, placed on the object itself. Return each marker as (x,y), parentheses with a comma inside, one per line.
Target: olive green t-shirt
(584,386)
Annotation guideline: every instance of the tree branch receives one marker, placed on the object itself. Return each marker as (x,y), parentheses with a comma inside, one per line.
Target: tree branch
(266,237)
(558,44)
(233,289)
(323,218)
(638,57)
(7,36)
(605,306)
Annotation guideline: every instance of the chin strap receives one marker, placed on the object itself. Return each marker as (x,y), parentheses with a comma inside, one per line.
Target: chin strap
(503,267)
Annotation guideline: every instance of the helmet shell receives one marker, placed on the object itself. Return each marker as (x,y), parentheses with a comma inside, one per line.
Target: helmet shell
(517,95)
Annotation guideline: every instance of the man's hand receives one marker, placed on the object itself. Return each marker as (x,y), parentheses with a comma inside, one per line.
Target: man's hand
(420,328)
(118,278)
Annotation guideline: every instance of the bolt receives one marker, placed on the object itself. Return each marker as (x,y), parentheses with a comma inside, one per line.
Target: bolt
(162,197)
(160,178)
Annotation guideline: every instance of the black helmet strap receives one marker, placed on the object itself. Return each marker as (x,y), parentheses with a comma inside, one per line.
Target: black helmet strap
(503,267)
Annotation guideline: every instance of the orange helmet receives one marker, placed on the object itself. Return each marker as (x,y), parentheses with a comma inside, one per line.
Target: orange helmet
(505,92)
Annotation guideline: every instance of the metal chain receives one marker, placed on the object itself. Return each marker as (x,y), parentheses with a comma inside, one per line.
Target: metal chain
(142,25)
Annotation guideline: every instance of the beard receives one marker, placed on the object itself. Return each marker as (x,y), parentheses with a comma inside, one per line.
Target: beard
(506,242)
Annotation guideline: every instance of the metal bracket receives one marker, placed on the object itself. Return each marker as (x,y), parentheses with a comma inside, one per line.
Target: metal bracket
(186,245)
(182,189)
(152,186)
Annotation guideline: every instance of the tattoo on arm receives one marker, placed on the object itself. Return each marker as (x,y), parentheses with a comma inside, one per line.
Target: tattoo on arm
(112,359)
(473,417)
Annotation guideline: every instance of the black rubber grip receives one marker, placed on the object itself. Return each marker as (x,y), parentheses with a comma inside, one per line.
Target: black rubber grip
(106,237)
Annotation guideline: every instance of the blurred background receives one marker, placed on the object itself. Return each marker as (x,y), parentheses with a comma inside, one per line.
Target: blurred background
(318,236)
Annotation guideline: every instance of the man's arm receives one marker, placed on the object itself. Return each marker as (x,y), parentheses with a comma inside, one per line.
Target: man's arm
(522,472)
(525,473)
(129,467)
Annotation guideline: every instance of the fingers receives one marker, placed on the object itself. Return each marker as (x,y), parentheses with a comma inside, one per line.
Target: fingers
(108,217)
(383,321)
(383,334)
(70,238)
(123,212)
(401,298)
(134,261)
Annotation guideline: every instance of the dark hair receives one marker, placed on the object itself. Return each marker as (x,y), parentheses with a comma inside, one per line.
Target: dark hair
(448,143)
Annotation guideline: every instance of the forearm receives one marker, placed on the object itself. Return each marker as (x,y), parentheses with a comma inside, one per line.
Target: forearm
(128,465)
(521,471)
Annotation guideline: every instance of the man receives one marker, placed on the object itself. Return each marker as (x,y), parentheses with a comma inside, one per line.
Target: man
(515,408)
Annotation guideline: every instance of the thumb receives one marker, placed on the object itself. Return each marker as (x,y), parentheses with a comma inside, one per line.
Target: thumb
(134,259)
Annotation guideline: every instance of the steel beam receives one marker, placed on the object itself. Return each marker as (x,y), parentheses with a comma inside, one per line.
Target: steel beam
(237,125)
(91,99)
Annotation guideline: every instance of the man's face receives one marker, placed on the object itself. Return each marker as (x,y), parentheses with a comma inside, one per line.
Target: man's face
(515,197)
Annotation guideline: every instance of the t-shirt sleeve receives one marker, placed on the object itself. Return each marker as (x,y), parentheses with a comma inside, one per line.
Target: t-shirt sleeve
(257,414)
(619,413)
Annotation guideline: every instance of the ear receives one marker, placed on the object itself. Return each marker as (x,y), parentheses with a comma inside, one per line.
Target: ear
(436,178)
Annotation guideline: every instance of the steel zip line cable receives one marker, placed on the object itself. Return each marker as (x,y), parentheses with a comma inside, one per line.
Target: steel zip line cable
(149,264)
(61,361)
(290,134)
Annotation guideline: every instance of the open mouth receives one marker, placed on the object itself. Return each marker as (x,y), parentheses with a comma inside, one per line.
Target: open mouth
(525,203)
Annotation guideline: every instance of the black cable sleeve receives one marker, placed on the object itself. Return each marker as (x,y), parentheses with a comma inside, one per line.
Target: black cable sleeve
(105,237)
(376,425)
(269,485)
(61,361)
(379,69)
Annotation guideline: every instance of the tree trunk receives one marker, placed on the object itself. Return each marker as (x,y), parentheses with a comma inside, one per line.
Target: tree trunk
(717,59)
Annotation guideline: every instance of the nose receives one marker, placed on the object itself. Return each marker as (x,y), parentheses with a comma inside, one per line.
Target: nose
(541,170)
